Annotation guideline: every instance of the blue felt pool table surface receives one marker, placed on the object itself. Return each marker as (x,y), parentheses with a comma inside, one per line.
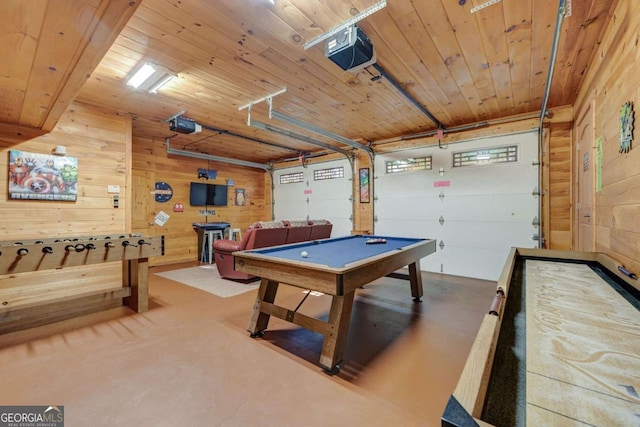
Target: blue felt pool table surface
(337,252)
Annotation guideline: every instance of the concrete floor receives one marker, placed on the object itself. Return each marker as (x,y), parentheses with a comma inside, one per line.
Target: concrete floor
(189,360)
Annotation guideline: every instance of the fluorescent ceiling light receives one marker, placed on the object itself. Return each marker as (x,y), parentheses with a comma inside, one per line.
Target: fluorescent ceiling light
(141,75)
(150,77)
(163,80)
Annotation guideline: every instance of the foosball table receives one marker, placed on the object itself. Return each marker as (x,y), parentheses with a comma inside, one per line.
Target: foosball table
(33,291)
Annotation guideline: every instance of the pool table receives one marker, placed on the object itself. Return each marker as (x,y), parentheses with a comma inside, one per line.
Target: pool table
(337,267)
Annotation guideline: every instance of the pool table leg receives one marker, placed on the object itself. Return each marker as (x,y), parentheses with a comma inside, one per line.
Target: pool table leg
(416,281)
(259,320)
(336,339)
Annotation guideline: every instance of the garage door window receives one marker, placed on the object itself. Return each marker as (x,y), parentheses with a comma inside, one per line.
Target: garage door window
(485,156)
(408,165)
(290,178)
(330,173)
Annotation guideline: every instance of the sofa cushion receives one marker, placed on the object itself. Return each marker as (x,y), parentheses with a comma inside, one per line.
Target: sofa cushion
(297,223)
(265,237)
(299,231)
(225,245)
(321,229)
(271,224)
(319,221)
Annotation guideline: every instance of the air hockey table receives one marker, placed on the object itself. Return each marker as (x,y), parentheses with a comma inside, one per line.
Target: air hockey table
(560,345)
(337,267)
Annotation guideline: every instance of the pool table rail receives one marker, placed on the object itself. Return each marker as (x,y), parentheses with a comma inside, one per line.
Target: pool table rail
(333,280)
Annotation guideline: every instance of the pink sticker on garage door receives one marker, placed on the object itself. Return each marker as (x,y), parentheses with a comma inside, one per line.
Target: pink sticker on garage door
(446,183)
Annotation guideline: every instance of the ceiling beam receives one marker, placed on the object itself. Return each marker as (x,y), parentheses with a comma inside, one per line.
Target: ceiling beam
(107,23)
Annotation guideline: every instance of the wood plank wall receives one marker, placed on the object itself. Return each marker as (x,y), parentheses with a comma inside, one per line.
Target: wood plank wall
(101,141)
(613,80)
(556,181)
(364,212)
(150,158)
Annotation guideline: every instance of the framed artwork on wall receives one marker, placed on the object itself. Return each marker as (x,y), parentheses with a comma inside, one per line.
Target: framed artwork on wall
(626,126)
(364,185)
(240,197)
(36,176)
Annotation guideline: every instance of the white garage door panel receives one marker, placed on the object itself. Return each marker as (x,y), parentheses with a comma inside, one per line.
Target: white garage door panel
(483,179)
(418,230)
(412,229)
(326,208)
(409,208)
(289,200)
(323,199)
(487,209)
(432,262)
(408,184)
(483,235)
(290,210)
(330,198)
(291,192)
(472,262)
(490,207)
(337,189)
(329,210)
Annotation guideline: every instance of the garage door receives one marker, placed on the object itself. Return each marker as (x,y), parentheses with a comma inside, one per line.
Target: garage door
(477,210)
(318,191)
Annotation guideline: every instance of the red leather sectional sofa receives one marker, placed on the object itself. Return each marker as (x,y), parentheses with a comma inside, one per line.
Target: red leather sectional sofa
(263,234)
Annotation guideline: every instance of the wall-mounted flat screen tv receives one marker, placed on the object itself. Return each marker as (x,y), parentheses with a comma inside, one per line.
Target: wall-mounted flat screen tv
(202,194)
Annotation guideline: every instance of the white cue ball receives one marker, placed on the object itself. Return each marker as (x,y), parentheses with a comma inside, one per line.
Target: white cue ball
(304,254)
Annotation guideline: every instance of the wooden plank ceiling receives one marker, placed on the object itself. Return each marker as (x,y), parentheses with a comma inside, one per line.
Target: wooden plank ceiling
(462,67)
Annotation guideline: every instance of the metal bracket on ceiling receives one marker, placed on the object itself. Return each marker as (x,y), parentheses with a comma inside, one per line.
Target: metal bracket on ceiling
(349,22)
(483,5)
(178,114)
(268,98)
(567,9)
